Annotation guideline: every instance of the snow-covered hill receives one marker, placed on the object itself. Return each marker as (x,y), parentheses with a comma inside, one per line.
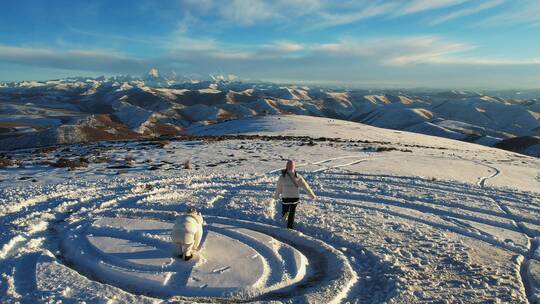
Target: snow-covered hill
(154,105)
(400,218)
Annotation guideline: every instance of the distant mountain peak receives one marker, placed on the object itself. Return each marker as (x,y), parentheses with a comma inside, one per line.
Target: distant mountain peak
(154,73)
(223,78)
(153,78)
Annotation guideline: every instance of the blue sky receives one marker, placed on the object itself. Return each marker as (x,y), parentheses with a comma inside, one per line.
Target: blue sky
(489,44)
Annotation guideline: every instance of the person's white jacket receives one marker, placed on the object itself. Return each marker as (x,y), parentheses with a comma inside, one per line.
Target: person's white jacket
(288,185)
(187,233)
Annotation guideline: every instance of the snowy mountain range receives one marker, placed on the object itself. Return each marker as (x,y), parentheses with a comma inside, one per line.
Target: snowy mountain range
(124,107)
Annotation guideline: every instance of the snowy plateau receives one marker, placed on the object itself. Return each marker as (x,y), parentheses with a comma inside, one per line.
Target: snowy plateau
(399,217)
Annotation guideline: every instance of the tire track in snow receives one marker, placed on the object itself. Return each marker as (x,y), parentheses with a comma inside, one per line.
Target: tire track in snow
(327,160)
(339,166)
(443,225)
(319,162)
(522,261)
(434,206)
(482,180)
(469,230)
(441,185)
(451,216)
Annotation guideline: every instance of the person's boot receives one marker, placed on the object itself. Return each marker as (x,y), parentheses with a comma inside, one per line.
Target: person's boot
(188,257)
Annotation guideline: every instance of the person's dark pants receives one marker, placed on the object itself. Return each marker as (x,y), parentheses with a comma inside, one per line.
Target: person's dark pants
(288,205)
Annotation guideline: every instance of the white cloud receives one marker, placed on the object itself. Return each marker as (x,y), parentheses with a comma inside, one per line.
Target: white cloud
(468,11)
(482,61)
(228,51)
(194,56)
(392,50)
(389,51)
(526,12)
(417,6)
(311,14)
(250,12)
(183,42)
(85,60)
(370,11)
(287,46)
(247,12)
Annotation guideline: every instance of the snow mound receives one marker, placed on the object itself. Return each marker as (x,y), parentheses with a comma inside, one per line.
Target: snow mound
(237,260)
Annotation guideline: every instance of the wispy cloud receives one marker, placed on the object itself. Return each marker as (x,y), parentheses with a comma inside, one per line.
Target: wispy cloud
(316,14)
(312,14)
(250,12)
(394,51)
(527,12)
(202,57)
(329,19)
(70,60)
(389,51)
(417,6)
(471,61)
(185,42)
(237,52)
(468,11)
(114,37)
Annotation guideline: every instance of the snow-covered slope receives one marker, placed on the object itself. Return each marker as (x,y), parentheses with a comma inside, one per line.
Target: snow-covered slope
(399,218)
(316,127)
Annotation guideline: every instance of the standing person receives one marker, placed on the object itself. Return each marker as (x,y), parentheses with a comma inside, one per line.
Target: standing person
(287,187)
(187,233)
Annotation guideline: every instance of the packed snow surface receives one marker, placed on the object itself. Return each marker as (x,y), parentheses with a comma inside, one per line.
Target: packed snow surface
(399,218)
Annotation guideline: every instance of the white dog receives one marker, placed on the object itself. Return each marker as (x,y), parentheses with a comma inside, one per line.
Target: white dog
(187,233)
